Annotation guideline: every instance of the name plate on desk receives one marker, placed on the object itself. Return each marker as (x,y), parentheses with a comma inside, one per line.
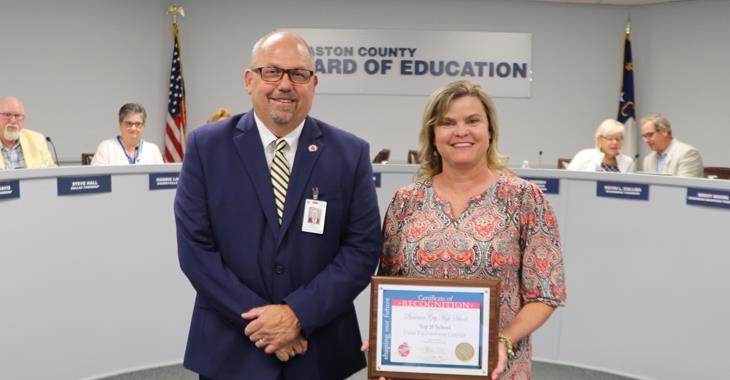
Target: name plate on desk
(433,329)
(10,189)
(625,190)
(708,197)
(161,181)
(84,184)
(377,179)
(546,185)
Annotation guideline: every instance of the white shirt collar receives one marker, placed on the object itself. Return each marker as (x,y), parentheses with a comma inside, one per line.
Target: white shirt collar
(268,139)
(292,138)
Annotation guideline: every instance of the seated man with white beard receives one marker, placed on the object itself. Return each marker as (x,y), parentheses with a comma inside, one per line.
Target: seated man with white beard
(21,148)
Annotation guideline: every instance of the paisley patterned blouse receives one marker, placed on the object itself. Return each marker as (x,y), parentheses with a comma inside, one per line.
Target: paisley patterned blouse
(508,233)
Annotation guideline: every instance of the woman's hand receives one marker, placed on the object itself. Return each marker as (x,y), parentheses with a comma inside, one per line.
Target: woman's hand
(365,346)
(501,361)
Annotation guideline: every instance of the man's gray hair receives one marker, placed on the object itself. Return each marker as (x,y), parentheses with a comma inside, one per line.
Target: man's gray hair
(660,122)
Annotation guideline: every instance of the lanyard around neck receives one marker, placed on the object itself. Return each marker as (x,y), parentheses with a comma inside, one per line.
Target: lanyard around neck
(131,159)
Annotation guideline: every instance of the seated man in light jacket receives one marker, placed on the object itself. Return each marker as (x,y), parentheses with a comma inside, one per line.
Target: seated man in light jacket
(669,155)
(21,148)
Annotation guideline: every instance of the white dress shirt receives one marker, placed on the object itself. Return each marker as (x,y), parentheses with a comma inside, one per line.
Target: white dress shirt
(268,140)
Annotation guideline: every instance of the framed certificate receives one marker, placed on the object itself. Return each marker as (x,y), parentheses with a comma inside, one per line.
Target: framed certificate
(433,329)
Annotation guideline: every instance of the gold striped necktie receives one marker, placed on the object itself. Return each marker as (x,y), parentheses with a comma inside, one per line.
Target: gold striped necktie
(280,177)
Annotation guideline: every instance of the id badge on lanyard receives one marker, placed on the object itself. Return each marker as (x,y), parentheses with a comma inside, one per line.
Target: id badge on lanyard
(315,211)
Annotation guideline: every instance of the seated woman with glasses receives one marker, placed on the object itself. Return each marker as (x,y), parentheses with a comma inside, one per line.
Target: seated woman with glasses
(606,156)
(128,148)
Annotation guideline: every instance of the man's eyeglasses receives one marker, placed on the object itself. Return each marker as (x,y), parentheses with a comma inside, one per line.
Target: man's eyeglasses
(648,135)
(274,74)
(133,124)
(10,115)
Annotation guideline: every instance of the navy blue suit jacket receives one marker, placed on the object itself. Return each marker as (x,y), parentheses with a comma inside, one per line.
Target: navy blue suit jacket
(237,256)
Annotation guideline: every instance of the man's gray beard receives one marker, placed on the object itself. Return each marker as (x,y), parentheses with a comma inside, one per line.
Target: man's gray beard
(281,118)
(11,135)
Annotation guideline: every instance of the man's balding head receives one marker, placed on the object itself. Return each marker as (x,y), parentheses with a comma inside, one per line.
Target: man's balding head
(270,39)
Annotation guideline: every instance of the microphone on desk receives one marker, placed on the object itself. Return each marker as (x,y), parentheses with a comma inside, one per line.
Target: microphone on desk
(539,159)
(55,153)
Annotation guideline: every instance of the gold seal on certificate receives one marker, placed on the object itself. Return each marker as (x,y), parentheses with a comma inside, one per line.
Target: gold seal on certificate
(464,351)
(433,329)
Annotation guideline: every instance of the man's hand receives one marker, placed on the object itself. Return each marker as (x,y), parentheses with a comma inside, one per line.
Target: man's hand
(272,327)
(297,347)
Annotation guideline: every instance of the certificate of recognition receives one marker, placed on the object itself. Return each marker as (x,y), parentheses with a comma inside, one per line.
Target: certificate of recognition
(428,329)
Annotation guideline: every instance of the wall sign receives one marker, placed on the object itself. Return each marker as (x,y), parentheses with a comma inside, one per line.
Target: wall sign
(417,62)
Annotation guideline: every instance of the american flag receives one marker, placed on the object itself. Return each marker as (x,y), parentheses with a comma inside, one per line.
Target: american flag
(176,129)
(626,102)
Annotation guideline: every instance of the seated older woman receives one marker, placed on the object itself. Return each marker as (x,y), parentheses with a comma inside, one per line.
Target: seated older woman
(468,217)
(128,148)
(606,156)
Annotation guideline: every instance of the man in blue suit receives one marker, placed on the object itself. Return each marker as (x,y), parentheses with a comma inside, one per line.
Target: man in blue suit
(275,292)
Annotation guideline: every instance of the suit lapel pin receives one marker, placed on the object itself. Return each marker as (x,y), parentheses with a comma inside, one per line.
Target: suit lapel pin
(313,148)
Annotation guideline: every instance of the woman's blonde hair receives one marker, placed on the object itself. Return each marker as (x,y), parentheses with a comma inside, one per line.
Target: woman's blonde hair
(438,104)
(220,114)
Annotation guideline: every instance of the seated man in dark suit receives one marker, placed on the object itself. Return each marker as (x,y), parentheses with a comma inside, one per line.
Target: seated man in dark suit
(275,296)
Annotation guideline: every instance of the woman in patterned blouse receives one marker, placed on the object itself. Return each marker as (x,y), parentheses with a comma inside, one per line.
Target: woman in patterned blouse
(469,217)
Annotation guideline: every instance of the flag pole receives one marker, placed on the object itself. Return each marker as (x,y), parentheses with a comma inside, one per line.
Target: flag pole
(627,106)
(174,10)
(176,120)
(634,141)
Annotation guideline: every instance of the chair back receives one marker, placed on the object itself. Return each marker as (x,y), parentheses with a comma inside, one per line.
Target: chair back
(717,172)
(563,163)
(382,157)
(413,157)
(86,158)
